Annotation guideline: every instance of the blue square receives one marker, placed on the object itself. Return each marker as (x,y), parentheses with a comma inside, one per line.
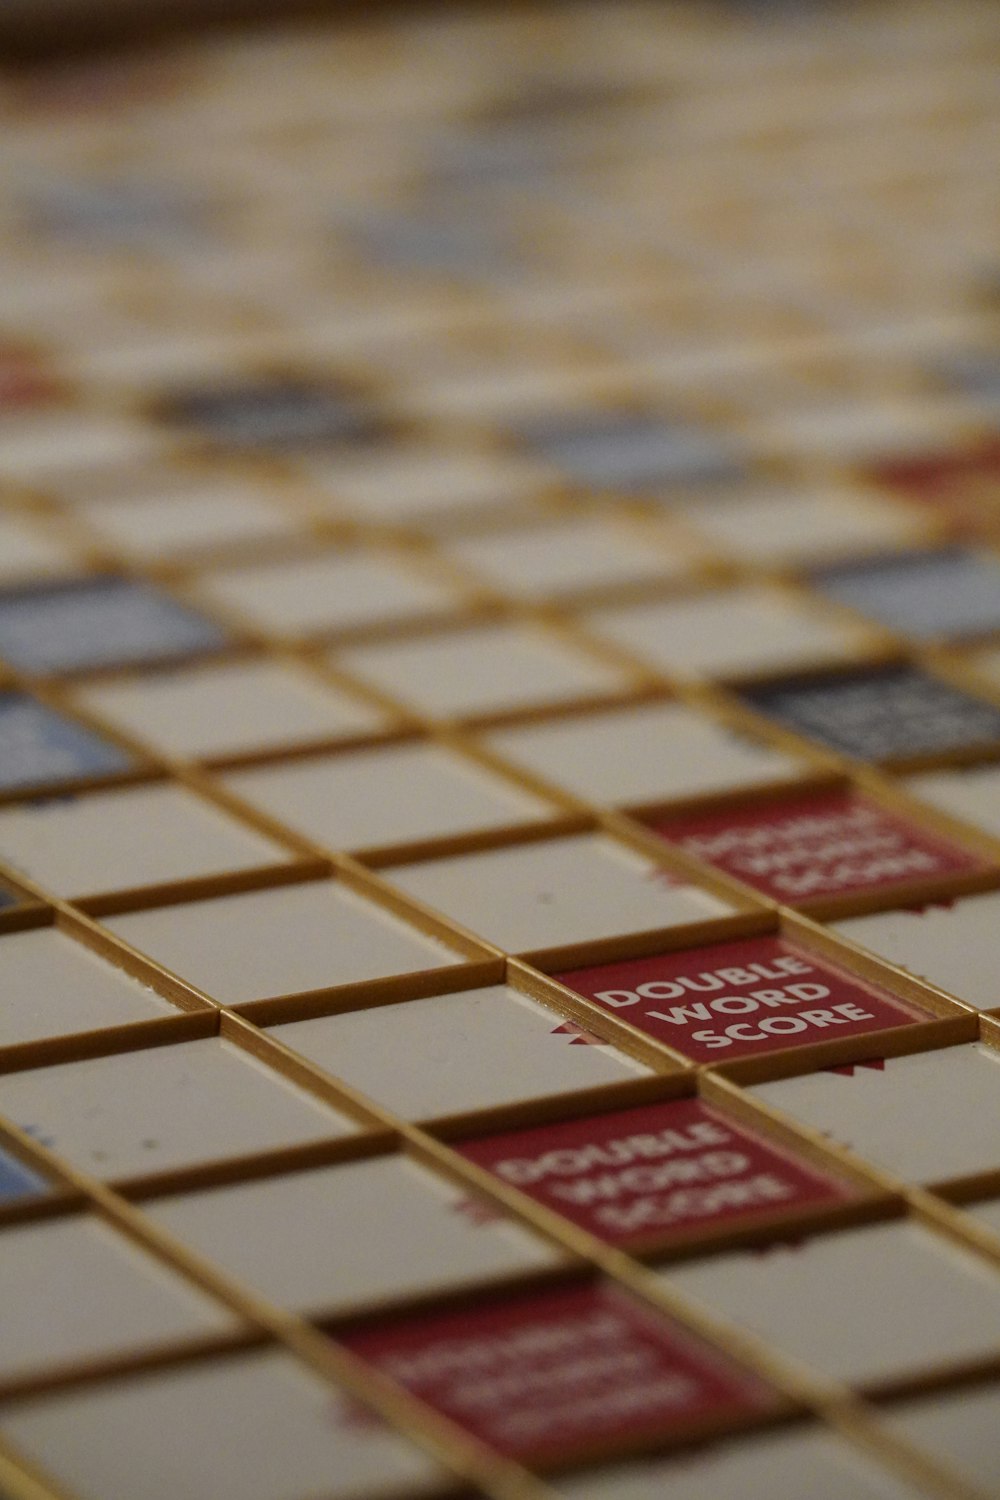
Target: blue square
(98,622)
(941,594)
(629,452)
(279,414)
(39,746)
(17,1180)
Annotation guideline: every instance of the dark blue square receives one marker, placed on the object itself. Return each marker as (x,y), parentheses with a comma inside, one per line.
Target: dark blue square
(881,714)
(17,1180)
(276,414)
(630,452)
(98,622)
(39,746)
(944,593)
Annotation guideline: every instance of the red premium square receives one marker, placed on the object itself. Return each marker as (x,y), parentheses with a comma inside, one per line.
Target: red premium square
(650,1175)
(556,1375)
(736,999)
(807,848)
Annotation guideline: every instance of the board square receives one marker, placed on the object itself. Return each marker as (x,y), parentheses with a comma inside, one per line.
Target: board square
(226,709)
(971,794)
(775,529)
(844,1303)
(655,1173)
(257,944)
(212,513)
(484,671)
(52,986)
(257,1427)
(98,622)
(687,998)
(801,849)
(165,1107)
(29,552)
(928,1117)
(399,1232)
(269,413)
(937,594)
(317,593)
(545,1376)
(452,1054)
(627,451)
(59,441)
(949,943)
(958,1428)
(653,752)
(113,1299)
(546,894)
(881,713)
(39,746)
(748,629)
(757,1468)
(131,837)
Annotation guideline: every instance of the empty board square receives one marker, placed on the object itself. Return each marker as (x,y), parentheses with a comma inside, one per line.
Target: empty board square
(164,1107)
(776,529)
(39,746)
(660,1172)
(451,1054)
(422,483)
(337,591)
(651,753)
(726,633)
(548,562)
(944,593)
(629,452)
(133,836)
(112,1298)
(481,672)
(98,622)
(754,1468)
(950,943)
(395,795)
(278,413)
(880,713)
(801,849)
(255,1427)
(225,709)
(346,1236)
(30,551)
(213,514)
(257,944)
(544,895)
(928,1117)
(737,999)
(52,986)
(843,1304)
(549,1375)
(970,793)
(64,440)
(957,1428)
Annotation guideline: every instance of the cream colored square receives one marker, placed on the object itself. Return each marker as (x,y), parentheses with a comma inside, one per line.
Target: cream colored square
(257,944)
(324,592)
(29,553)
(972,795)
(129,837)
(860,1306)
(53,986)
(453,1053)
(481,671)
(650,753)
(71,1289)
(546,562)
(389,796)
(420,482)
(257,1427)
(397,1231)
(221,710)
(957,1428)
(147,527)
(164,1107)
(784,529)
(926,1118)
(543,895)
(951,945)
(725,633)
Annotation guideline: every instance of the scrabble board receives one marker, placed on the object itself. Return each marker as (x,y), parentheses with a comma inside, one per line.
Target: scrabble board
(500,759)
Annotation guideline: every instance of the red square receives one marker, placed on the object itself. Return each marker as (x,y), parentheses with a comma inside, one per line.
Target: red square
(806,848)
(555,1375)
(650,1175)
(736,999)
